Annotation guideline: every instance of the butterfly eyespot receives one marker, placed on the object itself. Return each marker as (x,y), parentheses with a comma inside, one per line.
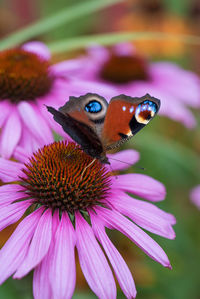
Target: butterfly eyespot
(145,112)
(93,107)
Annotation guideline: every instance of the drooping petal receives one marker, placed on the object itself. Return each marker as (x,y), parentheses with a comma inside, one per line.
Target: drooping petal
(10,135)
(123,159)
(122,272)
(38,48)
(10,170)
(10,193)
(39,245)
(41,284)
(62,273)
(145,215)
(140,185)
(20,154)
(133,232)
(170,76)
(13,252)
(12,213)
(35,123)
(29,143)
(5,110)
(93,262)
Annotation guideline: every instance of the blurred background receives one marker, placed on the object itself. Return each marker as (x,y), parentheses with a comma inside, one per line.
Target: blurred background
(169,151)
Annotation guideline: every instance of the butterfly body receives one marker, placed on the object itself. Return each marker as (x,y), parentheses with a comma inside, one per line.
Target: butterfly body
(98,126)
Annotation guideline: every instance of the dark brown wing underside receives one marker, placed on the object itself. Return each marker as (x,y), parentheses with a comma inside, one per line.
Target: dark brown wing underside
(79,132)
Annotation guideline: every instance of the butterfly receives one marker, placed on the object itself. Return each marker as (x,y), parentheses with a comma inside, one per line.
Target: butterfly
(98,126)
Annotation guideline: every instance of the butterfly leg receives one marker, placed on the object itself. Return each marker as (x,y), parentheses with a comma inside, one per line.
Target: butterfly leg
(87,167)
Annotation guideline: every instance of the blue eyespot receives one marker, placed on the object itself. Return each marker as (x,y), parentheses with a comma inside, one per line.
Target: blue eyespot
(150,109)
(150,106)
(93,107)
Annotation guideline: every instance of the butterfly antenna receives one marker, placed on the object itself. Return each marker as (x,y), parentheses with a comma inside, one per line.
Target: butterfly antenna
(142,168)
(120,161)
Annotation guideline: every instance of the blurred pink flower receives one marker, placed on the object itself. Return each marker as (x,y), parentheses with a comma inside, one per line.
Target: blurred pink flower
(195,196)
(27,83)
(125,70)
(60,194)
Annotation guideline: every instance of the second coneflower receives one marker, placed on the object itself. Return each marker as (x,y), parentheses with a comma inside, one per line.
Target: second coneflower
(124,69)
(67,202)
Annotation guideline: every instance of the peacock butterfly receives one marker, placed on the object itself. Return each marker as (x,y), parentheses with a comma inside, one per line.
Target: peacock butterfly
(98,126)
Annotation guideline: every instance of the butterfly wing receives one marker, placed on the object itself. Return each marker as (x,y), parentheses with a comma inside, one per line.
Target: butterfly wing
(125,117)
(79,132)
(82,118)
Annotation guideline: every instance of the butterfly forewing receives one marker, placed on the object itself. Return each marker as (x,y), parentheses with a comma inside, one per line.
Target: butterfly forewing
(79,132)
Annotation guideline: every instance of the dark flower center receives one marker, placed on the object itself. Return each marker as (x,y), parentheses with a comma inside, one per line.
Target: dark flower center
(61,176)
(123,69)
(23,76)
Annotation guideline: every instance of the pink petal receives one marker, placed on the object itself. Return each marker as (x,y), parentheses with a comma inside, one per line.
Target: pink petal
(29,144)
(12,213)
(195,196)
(140,185)
(41,284)
(10,193)
(96,52)
(10,135)
(93,262)
(62,273)
(121,270)
(13,252)
(178,112)
(20,154)
(69,67)
(35,123)
(183,85)
(5,110)
(145,215)
(38,48)
(81,87)
(10,170)
(123,159)
(124,49)
(133,232)
(39,245)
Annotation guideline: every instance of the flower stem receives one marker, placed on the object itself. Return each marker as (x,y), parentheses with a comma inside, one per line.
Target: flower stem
(113,38)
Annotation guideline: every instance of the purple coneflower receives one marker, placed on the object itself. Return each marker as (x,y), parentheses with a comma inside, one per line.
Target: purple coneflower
(27,82)
(124,69)
(68,202)
(195,196)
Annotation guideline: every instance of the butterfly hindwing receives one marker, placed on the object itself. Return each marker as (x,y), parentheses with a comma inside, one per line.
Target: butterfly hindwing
(125,117)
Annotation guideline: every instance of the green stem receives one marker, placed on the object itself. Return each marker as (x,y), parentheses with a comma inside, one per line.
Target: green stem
(113,38)
(52,22)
